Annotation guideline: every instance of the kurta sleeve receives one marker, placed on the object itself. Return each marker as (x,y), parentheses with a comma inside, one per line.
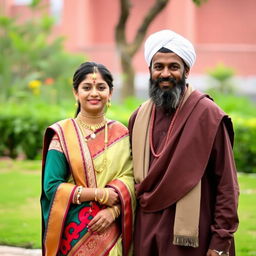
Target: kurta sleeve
(227,191)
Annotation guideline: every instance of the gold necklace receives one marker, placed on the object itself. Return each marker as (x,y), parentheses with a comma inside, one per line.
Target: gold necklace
(91,127)
(104,165)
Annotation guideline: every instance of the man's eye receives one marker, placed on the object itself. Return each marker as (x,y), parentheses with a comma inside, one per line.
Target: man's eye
(175,66)
(158,67)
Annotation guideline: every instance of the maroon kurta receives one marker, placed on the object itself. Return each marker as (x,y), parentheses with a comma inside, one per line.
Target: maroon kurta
(219,192)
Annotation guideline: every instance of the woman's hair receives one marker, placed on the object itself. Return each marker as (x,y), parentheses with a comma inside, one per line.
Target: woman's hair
(88,68)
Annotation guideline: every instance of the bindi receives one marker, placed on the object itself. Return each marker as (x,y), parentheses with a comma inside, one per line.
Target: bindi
(94,75)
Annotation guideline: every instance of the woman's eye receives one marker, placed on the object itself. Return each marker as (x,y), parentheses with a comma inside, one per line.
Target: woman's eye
(102,87)
(86,88)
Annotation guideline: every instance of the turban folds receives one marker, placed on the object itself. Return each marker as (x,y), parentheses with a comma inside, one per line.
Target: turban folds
(172,41)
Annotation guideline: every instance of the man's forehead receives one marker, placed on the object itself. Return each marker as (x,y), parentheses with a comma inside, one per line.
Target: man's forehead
(169,57)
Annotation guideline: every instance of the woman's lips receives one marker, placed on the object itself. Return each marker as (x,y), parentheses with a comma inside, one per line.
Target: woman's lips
(94,102)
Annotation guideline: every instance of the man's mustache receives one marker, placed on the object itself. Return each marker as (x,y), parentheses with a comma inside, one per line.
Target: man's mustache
(166,79)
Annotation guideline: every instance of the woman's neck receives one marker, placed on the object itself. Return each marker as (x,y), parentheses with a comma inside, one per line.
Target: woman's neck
(91,118)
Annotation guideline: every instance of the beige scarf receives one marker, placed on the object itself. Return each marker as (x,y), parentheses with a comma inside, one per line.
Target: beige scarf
(187,208)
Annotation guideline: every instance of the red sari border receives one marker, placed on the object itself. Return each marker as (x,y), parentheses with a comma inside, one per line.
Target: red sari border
(127,213)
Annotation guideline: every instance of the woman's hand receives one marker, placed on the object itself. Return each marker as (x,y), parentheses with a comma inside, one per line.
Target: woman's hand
(113,197)
(102,220)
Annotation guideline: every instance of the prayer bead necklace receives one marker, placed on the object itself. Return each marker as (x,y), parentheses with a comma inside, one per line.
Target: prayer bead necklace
(169,130)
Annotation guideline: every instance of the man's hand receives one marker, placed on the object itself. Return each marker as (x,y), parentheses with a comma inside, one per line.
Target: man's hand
(213,253)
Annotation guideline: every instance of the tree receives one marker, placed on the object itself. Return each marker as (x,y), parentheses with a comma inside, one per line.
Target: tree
(127,50)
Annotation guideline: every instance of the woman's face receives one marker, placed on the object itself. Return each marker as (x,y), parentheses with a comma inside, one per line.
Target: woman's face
(93,93)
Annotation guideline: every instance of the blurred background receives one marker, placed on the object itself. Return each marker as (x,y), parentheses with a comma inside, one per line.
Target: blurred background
(42,42)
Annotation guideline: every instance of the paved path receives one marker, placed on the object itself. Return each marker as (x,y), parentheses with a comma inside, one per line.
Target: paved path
(16,251)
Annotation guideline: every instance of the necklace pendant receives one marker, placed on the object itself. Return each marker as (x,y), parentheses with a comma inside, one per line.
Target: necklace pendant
(93,135)
(100,170)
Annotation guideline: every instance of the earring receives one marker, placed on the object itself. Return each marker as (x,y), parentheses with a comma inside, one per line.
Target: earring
(108,104)
(76,104)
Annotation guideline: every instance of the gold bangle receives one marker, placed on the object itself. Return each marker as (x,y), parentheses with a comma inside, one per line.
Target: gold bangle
(96,194)
(79,192)
(74,197)
(103,197)
(107,196)
(117,210)
(112,212)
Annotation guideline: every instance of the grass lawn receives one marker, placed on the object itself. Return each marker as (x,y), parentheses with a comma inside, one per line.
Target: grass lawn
(19,203)
(246,234)
(20,209)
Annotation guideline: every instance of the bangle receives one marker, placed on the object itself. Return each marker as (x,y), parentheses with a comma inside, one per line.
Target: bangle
(106,196)
(74,196)
(79,191)
(96,194)
(112,212)
(117,210)
(100,200)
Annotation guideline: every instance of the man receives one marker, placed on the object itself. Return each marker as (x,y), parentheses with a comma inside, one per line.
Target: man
(186,181)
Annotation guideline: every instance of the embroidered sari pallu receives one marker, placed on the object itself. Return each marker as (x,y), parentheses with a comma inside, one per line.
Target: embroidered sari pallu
(69,161)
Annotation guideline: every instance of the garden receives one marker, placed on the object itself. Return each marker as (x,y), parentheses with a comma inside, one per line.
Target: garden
(36,91)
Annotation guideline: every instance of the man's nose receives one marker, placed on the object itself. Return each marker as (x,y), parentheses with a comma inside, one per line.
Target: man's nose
(165,73)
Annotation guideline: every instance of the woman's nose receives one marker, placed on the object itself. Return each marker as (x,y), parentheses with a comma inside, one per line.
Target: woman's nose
(94,91)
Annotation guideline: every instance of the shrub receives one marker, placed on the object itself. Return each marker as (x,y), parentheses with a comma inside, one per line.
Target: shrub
(245,144)
(222,75)
(242,112)
(22,127)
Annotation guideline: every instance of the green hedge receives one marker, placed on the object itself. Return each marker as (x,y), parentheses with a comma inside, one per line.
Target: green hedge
(245,143)
(22,127)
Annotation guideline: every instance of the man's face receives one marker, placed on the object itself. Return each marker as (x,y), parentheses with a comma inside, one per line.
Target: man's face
(167,80)
(167,65)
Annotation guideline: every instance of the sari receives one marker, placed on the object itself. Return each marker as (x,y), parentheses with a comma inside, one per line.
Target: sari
(70,161)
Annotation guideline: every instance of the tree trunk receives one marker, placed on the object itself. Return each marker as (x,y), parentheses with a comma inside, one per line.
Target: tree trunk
(127,76)
(128,50)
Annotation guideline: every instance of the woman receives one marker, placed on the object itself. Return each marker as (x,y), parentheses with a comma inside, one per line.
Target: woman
(87,182)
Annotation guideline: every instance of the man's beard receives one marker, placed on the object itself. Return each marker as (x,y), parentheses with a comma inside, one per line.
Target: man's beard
(168,99)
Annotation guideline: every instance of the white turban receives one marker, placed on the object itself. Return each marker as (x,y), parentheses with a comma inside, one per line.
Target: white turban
(172,41)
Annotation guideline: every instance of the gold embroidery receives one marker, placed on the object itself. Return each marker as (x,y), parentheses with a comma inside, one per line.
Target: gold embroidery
(55,144)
